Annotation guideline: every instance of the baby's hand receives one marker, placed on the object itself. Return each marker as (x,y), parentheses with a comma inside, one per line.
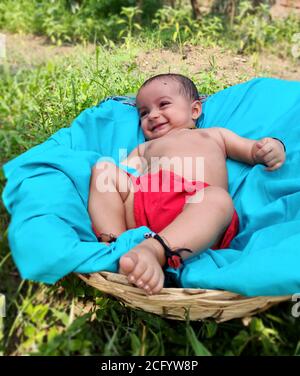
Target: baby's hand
(269,152)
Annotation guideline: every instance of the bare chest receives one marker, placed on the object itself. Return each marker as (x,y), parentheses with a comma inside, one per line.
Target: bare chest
(194,156)
(182,145)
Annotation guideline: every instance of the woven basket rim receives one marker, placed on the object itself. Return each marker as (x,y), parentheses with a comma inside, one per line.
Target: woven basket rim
(182,303)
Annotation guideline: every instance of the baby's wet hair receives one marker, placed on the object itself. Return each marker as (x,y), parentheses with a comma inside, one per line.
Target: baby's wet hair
(186,85)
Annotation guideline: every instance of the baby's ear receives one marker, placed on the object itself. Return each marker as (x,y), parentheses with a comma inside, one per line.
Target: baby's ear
(196,109)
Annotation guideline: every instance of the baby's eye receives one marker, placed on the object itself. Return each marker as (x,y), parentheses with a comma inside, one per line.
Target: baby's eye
(162,104)
(143,113)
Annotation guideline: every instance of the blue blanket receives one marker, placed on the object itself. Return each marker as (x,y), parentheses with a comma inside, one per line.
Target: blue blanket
(47,188)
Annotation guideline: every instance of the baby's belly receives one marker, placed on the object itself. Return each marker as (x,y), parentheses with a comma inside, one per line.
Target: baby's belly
(194,169)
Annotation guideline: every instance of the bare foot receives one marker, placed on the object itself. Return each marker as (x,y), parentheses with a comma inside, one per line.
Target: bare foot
(142,265)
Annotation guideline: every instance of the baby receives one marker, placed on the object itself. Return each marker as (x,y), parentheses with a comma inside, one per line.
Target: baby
(182,191)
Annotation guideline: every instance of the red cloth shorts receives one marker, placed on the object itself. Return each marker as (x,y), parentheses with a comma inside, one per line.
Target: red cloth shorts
(160,197)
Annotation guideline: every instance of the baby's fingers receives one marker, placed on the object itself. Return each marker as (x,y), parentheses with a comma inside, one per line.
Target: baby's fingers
(274,167)
(270,158)
(266,149)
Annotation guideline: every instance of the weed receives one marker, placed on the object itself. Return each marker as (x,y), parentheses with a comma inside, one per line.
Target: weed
(70,318)
(129,14)
(251,30)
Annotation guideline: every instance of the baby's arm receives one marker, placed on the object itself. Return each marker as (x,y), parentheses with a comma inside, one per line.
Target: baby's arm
(136,159)
(267,151)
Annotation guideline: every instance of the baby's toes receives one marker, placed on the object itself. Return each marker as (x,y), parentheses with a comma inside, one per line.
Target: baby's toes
(152,282)
(158,287)
(128,263)
(157,282)
(143,280)
(138,271)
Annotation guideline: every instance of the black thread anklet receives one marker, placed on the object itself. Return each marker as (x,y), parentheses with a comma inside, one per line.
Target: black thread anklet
(173,258)
(112,237)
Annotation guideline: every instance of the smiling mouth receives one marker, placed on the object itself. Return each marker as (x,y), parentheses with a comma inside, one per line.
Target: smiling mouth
(157,127)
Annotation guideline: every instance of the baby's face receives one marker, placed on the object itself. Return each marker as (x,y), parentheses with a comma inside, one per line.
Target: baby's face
(163,108)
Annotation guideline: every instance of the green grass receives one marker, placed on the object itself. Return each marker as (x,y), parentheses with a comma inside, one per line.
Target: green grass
(46,320)
(71,318)
(251,30)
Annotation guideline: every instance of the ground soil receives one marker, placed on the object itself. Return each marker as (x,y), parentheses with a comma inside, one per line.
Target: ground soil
(228,66)
(28,50)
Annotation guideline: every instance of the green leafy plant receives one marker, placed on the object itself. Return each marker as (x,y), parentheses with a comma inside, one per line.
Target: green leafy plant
(175,22)
(129,13)
(254,27)
(70,318)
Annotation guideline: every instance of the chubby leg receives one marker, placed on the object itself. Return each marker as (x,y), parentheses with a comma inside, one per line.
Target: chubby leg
(198,227)
(201,225)
(110,194)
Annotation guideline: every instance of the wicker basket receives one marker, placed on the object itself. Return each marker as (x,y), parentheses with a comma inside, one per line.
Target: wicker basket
(180,303)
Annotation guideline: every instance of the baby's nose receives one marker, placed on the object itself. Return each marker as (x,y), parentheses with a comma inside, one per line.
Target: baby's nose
(153,114)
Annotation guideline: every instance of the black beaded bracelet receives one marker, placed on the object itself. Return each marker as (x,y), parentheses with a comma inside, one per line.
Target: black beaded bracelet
(274,138)
(173,258)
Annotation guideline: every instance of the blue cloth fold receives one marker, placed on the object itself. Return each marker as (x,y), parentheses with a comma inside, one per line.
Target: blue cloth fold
(47,187)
